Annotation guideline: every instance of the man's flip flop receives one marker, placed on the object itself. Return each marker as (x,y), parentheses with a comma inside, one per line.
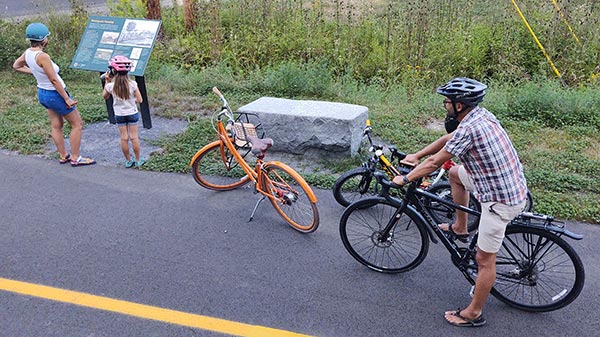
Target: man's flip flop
(461,237)
(469,323)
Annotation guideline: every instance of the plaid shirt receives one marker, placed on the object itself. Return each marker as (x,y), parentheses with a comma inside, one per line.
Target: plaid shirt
(489,157)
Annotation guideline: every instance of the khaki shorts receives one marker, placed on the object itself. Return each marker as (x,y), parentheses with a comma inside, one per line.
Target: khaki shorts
(495,216)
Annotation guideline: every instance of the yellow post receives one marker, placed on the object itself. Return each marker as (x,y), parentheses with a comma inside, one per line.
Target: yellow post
(536,40)
(565,20)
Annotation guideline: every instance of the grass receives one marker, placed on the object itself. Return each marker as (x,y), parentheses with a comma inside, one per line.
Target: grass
(388,56)
(562,164)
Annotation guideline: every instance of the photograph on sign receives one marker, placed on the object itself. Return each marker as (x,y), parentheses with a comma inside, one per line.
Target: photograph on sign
(109,38)
(138,33)
(103,54)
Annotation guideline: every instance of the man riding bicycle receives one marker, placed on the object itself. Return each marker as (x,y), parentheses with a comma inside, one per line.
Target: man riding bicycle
(490,168)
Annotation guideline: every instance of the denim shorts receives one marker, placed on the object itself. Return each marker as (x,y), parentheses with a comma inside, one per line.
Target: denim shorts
(129,119)
(51,99)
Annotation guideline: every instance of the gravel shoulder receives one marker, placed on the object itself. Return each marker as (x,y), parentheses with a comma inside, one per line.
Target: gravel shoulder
(101,140)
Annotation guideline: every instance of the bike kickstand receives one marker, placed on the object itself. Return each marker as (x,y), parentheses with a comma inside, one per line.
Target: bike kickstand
(256,207)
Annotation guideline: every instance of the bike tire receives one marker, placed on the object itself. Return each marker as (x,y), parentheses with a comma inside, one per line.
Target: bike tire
(360,229)
(291,196)
(446,214)
(215,168)
(355,184)
(529,202)
(537,270)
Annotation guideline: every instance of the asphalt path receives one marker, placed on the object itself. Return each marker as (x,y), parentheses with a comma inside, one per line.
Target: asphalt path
(161,240)
(19,8)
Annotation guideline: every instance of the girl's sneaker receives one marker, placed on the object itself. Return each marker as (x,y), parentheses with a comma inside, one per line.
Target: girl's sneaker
(129,163)
(140,162)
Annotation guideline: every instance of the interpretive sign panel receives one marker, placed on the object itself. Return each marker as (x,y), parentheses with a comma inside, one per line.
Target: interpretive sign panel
(106,36)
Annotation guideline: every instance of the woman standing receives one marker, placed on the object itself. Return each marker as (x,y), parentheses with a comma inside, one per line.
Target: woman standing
(52,94)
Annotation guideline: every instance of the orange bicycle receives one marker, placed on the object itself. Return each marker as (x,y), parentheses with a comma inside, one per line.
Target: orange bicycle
(225,165)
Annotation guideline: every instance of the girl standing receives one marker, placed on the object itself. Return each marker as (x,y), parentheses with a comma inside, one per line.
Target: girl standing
(125,94)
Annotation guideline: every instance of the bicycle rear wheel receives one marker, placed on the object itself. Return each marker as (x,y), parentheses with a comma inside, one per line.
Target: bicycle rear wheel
(446,214)
(215,168)
(528,202)
(537,270)
(291,196)
(355,184)
(361,227)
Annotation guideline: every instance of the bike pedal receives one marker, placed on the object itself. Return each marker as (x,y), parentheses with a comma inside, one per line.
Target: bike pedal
(472,291)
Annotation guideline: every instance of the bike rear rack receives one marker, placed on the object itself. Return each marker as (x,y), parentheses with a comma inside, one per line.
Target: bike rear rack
(545,222)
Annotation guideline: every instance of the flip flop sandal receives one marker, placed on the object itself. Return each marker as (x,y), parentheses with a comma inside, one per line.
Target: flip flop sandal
(464,238)
(64,160)
(469,323)
(81,161)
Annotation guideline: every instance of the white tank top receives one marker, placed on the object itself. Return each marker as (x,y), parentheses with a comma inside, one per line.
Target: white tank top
(38,72)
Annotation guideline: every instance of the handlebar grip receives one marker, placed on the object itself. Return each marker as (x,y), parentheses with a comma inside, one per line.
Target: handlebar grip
(382,178)
(217,92)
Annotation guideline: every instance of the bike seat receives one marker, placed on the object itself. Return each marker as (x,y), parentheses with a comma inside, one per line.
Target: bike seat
(260,145)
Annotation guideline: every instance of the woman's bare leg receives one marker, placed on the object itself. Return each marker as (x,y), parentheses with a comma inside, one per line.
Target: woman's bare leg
(56,124)
(74,119)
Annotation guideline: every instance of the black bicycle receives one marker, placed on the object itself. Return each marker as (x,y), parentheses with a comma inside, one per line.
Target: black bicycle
(359,183)
(537,270)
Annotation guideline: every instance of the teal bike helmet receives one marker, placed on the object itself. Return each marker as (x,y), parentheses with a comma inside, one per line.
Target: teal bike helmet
(37,31)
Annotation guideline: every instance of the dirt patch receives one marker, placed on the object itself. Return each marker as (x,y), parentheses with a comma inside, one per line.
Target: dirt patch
(101,140)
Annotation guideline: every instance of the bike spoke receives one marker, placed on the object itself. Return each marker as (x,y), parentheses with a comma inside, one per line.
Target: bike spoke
(536,271)
(365,237)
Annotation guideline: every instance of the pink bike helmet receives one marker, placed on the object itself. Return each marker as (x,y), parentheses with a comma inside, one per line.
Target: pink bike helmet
(120,63)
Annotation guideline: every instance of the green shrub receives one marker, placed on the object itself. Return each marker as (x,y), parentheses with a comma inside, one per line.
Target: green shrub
(291,80)
(127,8)
(12,43)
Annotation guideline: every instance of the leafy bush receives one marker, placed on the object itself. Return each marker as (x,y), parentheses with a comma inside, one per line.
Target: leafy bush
(291,80)
(12,43)
(127,8)
(552,105)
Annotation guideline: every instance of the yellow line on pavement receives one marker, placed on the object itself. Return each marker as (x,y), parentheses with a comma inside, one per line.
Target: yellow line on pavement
(143,311)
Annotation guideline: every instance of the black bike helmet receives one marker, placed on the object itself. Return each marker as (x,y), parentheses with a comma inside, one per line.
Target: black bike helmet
(463,90)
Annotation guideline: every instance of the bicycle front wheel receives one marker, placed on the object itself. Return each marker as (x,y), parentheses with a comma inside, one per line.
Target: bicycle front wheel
(361,230)
(537,270)
(355,184)
(290,196)
(214,167)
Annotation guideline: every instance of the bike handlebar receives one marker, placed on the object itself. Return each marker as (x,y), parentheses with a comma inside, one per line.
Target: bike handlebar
(382,178)
(220,95)
(225,110)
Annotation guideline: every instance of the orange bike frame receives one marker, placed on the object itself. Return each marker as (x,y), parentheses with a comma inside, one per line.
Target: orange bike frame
(254,174)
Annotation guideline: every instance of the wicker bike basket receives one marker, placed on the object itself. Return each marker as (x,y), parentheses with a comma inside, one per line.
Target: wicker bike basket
(247,125)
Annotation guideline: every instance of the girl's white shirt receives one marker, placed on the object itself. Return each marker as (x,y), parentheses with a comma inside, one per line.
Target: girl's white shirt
(123,107)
